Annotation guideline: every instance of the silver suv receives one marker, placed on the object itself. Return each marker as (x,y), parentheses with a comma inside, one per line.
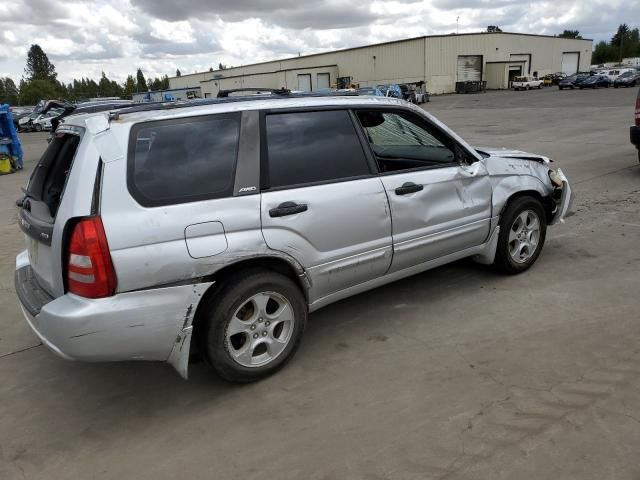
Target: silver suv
(218,226)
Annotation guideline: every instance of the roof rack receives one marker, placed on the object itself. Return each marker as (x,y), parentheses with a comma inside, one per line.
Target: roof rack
(255,91)
(274,94)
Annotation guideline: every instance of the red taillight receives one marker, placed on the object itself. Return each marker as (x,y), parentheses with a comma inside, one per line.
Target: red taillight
(89,269)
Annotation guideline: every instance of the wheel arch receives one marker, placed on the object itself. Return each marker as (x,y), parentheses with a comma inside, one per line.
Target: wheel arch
(511,188)
(281,264)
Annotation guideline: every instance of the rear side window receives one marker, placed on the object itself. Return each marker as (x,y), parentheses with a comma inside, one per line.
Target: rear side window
(183,160)
(312,147)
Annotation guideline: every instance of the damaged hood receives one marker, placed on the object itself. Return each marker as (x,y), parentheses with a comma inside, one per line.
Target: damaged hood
(506,153)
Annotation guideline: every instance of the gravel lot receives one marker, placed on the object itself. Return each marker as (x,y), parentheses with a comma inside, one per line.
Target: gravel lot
(458,373)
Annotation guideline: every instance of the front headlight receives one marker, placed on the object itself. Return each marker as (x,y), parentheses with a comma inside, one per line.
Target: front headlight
(555,178)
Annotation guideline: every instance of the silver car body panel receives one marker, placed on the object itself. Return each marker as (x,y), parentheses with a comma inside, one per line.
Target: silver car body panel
(343,238)
(451,213)
(342,245)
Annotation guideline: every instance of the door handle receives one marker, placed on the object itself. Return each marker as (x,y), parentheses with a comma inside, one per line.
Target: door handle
(287,208)
(407,188)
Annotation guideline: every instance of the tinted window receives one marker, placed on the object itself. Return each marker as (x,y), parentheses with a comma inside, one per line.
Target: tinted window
(183,160)
(401,142)
(309,147)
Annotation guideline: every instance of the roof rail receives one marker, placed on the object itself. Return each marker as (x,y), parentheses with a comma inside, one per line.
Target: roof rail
(273,91)
(281,94)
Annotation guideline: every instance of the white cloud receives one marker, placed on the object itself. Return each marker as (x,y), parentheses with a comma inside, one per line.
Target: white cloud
(85,37)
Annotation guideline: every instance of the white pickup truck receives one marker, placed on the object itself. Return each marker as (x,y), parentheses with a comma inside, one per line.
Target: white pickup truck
(525,83)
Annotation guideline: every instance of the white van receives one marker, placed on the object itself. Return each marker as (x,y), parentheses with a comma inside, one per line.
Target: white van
(616,72)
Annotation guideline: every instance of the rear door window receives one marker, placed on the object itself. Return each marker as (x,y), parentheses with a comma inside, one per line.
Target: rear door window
(183,160)
(312,147)
(49,178)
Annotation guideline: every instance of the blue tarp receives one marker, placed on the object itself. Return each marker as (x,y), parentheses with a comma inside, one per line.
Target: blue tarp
(9,141)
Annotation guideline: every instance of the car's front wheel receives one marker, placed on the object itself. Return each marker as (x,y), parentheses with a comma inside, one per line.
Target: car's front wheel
(523,228)
(253,325)
(38,127)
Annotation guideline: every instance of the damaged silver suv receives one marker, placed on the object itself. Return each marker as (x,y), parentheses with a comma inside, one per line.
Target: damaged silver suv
(219,225)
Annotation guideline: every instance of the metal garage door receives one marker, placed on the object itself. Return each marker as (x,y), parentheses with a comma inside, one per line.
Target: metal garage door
(469,68)
(304,82)
(323,81)
(570,62)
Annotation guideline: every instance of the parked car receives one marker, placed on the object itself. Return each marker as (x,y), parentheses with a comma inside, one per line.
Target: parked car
(18,113)
(25,124)
(526,83)
(572,81)
(392,90)
(627,79)
(635,129)
(375,91)
(222,223)
(595,81)
(43,120)
(64,109)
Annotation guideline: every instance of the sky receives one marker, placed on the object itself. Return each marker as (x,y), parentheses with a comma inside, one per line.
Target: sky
(84,38)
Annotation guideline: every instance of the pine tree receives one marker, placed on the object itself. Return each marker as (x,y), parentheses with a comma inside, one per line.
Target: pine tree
(141,83)
(38,66)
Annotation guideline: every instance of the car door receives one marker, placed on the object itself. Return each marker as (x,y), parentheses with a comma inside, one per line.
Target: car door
(440,197)
(322,202)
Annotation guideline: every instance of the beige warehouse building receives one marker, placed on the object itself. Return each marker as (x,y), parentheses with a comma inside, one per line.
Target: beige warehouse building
(440,60)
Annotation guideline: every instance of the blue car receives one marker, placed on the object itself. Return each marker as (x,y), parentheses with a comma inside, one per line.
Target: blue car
(375,91)
(595,81)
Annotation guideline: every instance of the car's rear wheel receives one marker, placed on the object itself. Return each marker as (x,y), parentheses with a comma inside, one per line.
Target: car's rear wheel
(253,325)
(523,228)
(38,127)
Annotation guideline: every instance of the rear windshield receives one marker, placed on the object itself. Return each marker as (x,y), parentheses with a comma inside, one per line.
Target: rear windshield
(50,175)
(183,160)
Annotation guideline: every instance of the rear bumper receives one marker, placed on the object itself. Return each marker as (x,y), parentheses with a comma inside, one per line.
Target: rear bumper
(634,135)
(143,325)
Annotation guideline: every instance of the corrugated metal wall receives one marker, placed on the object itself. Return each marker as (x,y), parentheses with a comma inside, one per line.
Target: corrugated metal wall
(433,59)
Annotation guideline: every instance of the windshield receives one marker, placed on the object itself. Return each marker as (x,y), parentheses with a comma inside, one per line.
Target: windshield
(626,74)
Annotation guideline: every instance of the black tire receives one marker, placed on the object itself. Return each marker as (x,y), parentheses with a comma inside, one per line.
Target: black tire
(220,309)
(572,87)
(503,261)
(615,86)
(38,127)
(559,88)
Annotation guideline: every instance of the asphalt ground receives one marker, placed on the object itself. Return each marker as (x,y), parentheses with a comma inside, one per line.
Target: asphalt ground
(457,373)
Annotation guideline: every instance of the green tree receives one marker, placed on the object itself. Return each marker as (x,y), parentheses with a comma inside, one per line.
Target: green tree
(570,34)
(141,83)
(602,53)
(129,86)
(38,65)
(8,91)
(178,74)
(494,29)
(622,41)
(36,90)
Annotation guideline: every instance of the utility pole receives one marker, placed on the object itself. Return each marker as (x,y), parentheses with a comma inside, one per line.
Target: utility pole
(457,21)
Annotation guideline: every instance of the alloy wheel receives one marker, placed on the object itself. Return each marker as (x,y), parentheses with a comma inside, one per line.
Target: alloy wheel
(260,329)
(524,236)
